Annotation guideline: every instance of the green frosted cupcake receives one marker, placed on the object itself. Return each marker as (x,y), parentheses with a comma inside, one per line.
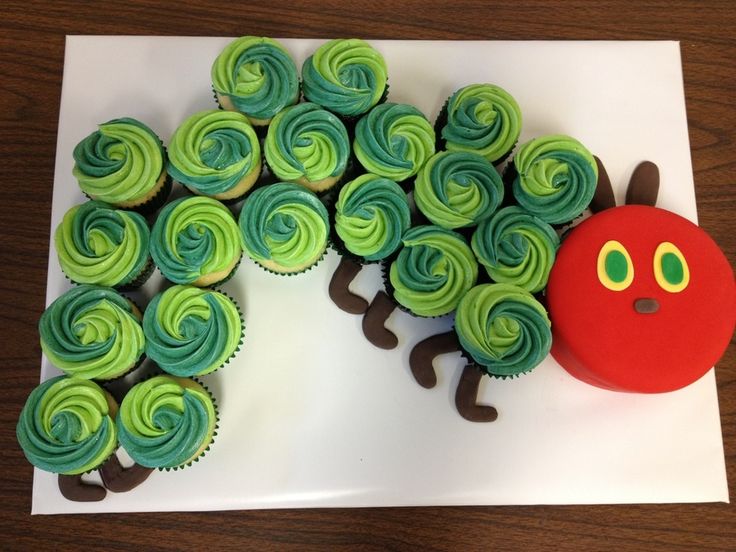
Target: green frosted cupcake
(503,329)
(434,270)
(307,145)
(458,189)
(67,426)
(216,154)
(92,332)
(123,164)
(284,228)
(481,118)
(191,331)
(346,76)
(167,422)
(257,77)
(371,215)
(195,240)
(394,141)
(553,177)
(98,244)
(515,247)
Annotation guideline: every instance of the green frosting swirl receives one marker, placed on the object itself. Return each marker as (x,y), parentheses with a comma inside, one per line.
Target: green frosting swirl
(484,119)
(371,215)
(166,422)
(503,328)
(257,75)
(190,331)
(516,248)
(213,151)
(91,332)
(307,142)
(194,237)
(66,426)
(433,271)
(285,224)
(119,163)
(98,244)
(346,76)
(458,189)
(556,178)
(394,140)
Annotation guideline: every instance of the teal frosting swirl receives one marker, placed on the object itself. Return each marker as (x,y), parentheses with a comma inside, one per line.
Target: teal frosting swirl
(257,76)
(516,248)
(67,426)
(482,118)
(458,189)
(433,271)
(371,215)
(556,177)
(306,144)
(346,76)
(92,332)
(503,328)
(213,152)
(284,226)
(394,140)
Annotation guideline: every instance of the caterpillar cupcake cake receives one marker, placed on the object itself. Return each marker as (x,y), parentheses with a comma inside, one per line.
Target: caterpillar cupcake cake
(123,163)
(216,154)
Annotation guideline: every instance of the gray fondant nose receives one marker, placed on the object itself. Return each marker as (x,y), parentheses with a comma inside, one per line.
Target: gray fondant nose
(646,305)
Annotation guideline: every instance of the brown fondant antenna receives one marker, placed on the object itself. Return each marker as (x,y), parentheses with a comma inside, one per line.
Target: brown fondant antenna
(73,488)
(603,197)
(643,185)
(339,288)
(423,354)
(119,479)
(374,321)
(466,397)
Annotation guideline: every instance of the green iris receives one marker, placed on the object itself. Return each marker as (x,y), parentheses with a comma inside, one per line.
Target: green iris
(672,269)
(617,267)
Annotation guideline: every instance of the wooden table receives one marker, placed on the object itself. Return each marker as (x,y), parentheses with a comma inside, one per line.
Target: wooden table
(31,61)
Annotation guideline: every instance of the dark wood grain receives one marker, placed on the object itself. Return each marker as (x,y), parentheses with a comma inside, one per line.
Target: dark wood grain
(31,61)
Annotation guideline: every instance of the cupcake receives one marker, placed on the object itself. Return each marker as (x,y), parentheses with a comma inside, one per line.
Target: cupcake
(481,118)
(394,141)
(67,426)
(123,164)
(195,240)
(92,332)
(553,177)
(458,189)
(191,331)
(346,76)
(216,154)
(257,77)
(433,271)
(166,422)
(307,145)
(98,244)
(515,247)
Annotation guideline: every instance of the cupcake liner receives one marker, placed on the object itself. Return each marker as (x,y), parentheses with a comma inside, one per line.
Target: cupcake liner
(157,201)
(139,280)
(471,362)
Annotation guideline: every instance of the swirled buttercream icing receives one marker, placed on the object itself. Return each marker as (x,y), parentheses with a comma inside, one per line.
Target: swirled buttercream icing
(433,271)
(67,426)
(191,331)
(215,153)
(92,332)
(394,140)
(503,328)
(256,76)
(166,422)
(346,76)
(556,177)
(371,215)
(458,189)
(195,240)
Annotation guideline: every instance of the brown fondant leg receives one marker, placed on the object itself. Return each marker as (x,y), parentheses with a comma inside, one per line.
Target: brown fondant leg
(374,319)
(73,488)
(467,395)
(603,197)
(643,185)
(121,480)
(339,289)
(424,353)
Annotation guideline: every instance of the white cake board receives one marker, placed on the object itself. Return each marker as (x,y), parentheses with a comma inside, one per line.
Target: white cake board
(312,415)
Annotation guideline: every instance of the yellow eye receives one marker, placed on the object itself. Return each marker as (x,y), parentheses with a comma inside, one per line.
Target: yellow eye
(670,268)
(615,269)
